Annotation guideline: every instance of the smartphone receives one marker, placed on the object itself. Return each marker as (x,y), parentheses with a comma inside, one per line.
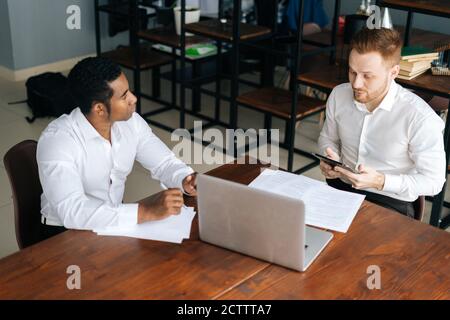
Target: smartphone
(334,163)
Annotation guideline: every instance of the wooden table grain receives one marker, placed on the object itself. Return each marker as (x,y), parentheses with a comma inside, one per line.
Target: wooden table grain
(413,257)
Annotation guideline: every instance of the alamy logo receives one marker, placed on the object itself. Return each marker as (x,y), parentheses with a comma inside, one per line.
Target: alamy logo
(379,18)
(73,22)
(262,144)
(374,20)
(74,280)
(374,280)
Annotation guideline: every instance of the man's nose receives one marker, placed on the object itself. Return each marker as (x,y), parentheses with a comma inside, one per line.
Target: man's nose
(133,99)
(358,82)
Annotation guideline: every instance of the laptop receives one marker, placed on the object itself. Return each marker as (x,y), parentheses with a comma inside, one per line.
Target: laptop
(257,223)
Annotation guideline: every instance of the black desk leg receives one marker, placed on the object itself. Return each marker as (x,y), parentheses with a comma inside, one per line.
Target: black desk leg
(137,88)
(436,209)
(218,83)
(195,90)
(98,44)
(173,75)
(268,70)
(156,82)
(408,28)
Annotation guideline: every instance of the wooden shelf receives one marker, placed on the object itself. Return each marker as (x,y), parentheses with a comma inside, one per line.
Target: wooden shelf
(329,76)
(323,37)
(213,28)
(277,102)
(418,37)
(325,78)
(432,7)
(121,9)
(148,58)
(439,85)
(423,37)
(439,104)
(168,37)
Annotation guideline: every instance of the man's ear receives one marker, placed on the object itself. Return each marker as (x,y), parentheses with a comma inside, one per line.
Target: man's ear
(99,109)
(395,71)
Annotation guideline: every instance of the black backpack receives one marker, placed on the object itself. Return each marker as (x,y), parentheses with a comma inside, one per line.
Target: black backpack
(48,95)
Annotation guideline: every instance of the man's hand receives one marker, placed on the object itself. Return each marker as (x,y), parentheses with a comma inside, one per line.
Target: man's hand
(326,169)
(367,177)
(160,205)
(190,184)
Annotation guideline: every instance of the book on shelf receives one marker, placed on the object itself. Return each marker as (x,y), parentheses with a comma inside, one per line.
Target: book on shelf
(193,52)
(411,75)
(414,66)
(416,53)
(420,59)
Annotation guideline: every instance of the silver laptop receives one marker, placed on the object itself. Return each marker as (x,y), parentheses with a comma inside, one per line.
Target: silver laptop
(257,223)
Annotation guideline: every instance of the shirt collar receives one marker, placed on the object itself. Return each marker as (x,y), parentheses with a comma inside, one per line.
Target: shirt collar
(85,126)
(388,101)
(89,132)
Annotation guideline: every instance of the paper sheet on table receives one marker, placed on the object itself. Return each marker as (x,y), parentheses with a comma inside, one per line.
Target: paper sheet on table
(325,207)
(172,229)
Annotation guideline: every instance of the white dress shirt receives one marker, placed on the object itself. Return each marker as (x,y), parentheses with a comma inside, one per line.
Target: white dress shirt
(401,138)
(83,175)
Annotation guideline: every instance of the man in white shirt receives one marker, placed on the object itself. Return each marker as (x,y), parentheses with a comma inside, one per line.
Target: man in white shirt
(385,132)
(84,158)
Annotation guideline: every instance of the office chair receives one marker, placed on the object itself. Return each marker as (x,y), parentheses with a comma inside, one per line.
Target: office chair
(419,208)
(21,166)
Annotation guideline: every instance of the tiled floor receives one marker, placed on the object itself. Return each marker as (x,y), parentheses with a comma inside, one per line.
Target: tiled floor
(14,128)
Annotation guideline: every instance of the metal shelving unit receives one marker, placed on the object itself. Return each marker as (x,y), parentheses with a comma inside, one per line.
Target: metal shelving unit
(288,105)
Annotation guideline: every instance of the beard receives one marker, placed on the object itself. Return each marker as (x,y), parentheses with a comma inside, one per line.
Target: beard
(362,96)
(365,96)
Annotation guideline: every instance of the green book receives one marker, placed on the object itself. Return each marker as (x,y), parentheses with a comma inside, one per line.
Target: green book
(414,52)
(201,50)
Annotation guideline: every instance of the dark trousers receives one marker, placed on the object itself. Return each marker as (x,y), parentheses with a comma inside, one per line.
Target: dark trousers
(50,231)
(404,207)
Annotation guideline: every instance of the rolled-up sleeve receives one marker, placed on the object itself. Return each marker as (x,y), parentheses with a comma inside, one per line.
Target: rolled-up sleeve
(156,157)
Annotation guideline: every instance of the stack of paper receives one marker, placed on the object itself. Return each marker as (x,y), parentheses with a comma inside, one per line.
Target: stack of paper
(172,229)
(325,207)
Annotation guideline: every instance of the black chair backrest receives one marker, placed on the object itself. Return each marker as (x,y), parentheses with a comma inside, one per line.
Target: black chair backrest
(21,166)
(419,208)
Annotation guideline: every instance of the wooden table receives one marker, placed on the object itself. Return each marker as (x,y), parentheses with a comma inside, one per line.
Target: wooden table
(414,259)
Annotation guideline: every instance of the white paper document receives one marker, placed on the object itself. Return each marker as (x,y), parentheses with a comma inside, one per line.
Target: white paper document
(325,207)
(172,229)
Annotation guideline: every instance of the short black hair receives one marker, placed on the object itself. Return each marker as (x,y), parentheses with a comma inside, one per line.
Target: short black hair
(89,82)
